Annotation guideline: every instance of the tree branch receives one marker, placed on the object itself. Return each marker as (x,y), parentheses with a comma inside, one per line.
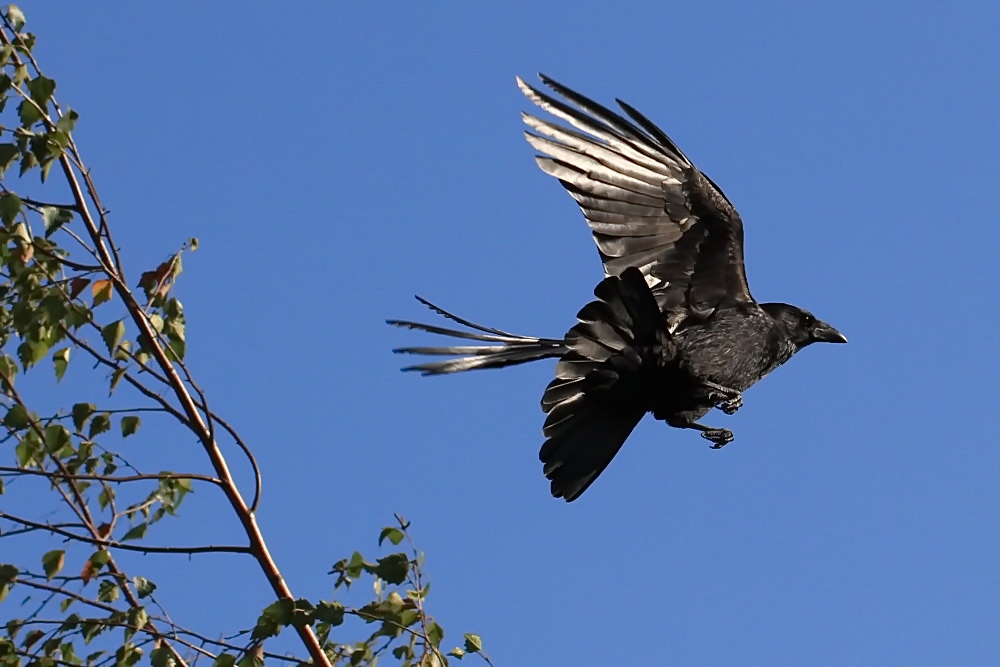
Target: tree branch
(114,479)
(114,544)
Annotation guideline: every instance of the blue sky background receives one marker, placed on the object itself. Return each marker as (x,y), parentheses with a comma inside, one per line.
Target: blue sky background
(335,158)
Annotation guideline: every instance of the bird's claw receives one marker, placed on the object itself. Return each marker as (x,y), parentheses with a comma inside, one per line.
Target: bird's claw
(728,403)
(732,405)
(720,437)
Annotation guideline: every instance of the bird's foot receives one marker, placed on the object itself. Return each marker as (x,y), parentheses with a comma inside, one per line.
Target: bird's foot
(728,403)
(720,437)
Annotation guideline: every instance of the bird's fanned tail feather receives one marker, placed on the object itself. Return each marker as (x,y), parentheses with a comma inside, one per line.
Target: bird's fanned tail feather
(507,349)
(592,404)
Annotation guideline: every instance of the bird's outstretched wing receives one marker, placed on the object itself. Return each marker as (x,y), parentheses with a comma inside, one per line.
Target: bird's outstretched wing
(647,205)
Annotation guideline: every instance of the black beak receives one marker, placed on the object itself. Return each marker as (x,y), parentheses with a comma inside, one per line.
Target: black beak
(824,333)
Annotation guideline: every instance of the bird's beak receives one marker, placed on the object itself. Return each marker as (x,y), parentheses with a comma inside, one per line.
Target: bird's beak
(824,333)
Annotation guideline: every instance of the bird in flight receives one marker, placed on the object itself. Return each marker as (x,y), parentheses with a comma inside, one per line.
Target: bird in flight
(674,331)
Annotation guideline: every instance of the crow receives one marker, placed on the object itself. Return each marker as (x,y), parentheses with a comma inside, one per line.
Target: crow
(674,330)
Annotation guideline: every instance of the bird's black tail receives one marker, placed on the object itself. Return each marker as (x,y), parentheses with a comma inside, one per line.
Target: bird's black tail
(602,379)
(598,396)
(507,349)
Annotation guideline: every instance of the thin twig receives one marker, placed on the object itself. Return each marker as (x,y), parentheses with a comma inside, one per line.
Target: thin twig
(114,544)
(114,479)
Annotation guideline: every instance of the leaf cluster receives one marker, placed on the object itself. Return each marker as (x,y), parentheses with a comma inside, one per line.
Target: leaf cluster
(66,304)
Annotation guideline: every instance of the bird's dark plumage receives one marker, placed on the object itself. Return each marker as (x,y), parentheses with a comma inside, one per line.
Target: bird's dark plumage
(674,330)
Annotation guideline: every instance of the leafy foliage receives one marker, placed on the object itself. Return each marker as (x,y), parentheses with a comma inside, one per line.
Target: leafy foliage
(65,301)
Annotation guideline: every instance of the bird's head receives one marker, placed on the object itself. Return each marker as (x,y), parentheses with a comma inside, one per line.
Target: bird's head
(801,326)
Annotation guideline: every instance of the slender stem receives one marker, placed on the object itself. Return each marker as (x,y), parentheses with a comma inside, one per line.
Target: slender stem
(114,479)
(113,544)
(195,421)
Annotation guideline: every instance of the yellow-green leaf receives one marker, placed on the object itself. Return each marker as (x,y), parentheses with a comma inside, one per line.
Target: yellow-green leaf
(52,562)
(61,361)
(129,425)
(113,333)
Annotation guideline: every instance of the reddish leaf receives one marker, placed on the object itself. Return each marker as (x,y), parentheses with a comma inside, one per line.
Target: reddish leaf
(88,572)
(157,281)
(32,637)
(101,289)
(76,286)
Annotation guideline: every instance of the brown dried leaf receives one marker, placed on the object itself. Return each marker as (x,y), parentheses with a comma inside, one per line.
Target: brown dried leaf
(77,285)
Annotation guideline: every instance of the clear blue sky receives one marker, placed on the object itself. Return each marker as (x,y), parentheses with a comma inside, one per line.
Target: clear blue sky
(335,158)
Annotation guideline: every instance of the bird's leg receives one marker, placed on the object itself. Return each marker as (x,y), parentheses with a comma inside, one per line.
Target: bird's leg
(726,399)
(720,437)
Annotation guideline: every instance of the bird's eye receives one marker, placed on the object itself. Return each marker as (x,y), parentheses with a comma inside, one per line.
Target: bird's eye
(809,320)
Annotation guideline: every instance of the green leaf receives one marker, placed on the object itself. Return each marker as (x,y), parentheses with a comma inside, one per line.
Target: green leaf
(28,113)
(473,643)
(273,617)
(177,348)
(129,425)
(107,591)
(25,42)
(393,568)
(30,352)
(99,424)
(100,557)
(113,333)
(225,660)
(127,655)
(138,617)
(356,565)
(394,535)
(16,417)
(61,360)
(280,611)
(161,656)
(47,166)
(56,437)
(27,450)
(8,367)
(116,377)
(80,413)
(20,74)
(10,206)
(41,89)
(28,162)
(16,17)
(20,231)
(68,121)
(55,217)
(137,532)
(457,653)
(329,612)
(8,573)
(435,633)
(8,155)
(53,562)
(144,587)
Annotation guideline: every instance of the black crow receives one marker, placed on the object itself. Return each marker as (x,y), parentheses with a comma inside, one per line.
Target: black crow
(674,330)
